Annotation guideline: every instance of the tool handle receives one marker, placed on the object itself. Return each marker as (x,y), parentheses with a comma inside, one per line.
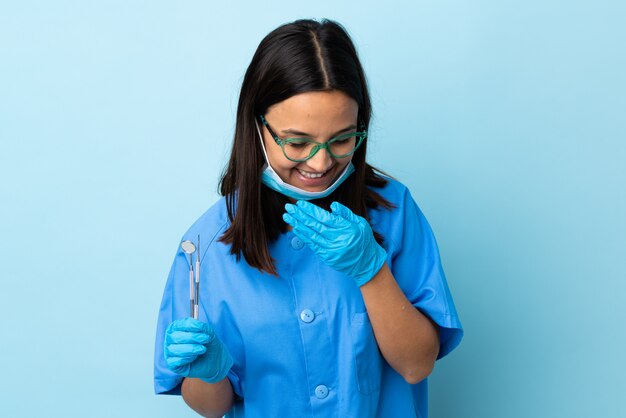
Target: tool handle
(192,300)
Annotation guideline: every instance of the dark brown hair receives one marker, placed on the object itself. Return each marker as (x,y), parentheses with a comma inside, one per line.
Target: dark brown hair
(295,58)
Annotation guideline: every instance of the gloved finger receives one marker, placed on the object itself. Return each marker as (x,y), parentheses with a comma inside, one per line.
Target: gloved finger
(289,219)
(343,211)
(294,216)
(190,325)
(183,337)
(185,350)
(299,229)
(328,230)
(315,247)
(317,213)
(179,362)
(310,237)
(304,218)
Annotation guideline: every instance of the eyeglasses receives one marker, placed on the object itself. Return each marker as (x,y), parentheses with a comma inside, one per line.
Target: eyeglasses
(301,149)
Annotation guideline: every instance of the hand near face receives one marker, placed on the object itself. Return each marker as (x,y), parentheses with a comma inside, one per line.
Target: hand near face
(343,240)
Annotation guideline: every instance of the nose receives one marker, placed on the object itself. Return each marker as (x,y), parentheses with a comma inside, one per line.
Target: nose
(320,162)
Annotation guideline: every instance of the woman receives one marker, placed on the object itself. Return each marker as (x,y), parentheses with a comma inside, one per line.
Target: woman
(322,292)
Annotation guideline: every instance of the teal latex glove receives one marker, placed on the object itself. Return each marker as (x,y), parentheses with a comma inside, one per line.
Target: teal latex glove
(343,240)
(193,350)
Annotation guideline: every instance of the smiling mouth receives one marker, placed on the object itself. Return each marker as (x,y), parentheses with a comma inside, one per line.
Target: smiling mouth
(312,175)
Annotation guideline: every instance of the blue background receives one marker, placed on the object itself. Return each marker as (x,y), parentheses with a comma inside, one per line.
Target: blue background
(505,119)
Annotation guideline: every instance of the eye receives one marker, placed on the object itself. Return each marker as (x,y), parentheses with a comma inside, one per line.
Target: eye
(344,139)
(298,142)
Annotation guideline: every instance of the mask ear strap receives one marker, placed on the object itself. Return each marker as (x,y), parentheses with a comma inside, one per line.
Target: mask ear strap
(267,160)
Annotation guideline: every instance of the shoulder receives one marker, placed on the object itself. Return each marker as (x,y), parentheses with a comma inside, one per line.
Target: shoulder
(405,214)
(394,191)
(210,225)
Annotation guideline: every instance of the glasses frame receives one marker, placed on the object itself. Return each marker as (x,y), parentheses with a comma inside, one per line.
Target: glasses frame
(361,136)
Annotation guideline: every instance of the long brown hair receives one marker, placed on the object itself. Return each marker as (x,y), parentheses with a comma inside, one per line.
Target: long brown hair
(297,57)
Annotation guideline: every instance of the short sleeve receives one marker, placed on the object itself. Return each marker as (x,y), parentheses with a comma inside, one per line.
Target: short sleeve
(175,305)
(416,266)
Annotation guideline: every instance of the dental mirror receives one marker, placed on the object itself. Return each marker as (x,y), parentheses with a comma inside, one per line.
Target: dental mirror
(188,247)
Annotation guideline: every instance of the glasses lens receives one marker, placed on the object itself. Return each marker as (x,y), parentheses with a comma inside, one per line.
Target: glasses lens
(299,150)
(344,145)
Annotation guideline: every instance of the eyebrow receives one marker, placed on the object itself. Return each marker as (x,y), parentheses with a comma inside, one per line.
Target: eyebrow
(296,132)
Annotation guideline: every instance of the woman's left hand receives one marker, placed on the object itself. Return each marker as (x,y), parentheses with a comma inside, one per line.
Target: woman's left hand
(343,240)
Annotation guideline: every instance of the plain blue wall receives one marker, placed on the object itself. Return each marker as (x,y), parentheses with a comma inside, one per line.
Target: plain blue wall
(505,119)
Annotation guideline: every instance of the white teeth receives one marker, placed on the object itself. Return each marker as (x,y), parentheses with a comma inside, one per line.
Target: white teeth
(311,175)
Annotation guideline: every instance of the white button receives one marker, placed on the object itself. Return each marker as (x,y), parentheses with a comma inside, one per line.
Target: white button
(307,315)
(321,391)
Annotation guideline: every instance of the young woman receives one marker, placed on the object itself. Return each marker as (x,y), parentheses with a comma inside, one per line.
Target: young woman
(322,292)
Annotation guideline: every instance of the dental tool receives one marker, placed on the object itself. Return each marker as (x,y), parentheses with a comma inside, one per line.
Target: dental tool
(189,248)
(197,299)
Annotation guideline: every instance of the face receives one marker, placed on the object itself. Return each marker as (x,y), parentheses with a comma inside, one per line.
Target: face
(320,116)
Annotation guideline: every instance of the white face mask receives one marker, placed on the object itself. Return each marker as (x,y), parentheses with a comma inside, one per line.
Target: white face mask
(272,180)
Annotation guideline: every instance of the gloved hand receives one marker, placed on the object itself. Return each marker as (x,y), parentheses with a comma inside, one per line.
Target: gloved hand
(193,350)
(343,240)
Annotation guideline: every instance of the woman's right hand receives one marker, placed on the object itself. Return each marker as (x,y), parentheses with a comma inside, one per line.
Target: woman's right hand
(193,350)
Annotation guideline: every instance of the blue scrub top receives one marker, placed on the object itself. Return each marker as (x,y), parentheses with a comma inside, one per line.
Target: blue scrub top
(302,343)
